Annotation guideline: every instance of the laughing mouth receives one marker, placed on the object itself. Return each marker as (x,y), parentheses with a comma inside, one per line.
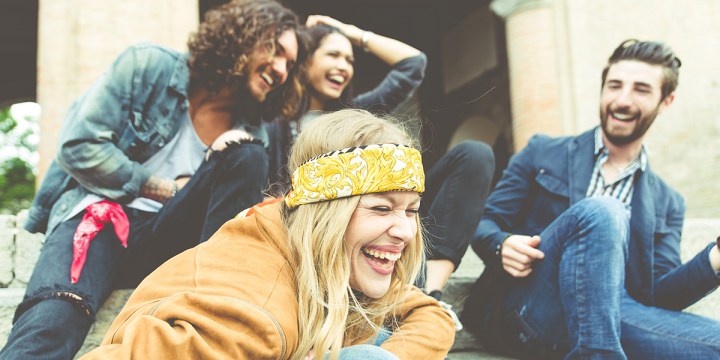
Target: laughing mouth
(336,79)
(268,79)
(381,256)
(623,117)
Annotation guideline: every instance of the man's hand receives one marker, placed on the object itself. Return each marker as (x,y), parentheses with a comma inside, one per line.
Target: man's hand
(518,253)
(715,258)
(181,181)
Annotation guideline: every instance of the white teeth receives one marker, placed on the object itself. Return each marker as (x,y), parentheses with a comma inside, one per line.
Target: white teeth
(337,78)
(383,254)
(623,116)
(268,79)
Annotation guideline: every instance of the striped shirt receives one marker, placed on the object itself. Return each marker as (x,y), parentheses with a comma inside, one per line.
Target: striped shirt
(623,185)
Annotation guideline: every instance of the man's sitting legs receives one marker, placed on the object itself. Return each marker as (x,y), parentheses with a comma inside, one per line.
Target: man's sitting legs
(650,332)
(571,300)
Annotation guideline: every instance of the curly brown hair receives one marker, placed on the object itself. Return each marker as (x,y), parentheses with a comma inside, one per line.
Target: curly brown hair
(220,49)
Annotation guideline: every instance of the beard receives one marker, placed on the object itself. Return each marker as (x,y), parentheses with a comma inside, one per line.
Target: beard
(642,124)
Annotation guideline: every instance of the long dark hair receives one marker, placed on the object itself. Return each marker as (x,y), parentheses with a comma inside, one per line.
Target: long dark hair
(313,38)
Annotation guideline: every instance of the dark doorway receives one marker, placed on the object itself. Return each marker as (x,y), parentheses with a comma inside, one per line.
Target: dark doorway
(425,25)
(18,51)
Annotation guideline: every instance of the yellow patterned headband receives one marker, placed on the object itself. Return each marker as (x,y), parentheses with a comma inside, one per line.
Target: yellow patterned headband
(355,171)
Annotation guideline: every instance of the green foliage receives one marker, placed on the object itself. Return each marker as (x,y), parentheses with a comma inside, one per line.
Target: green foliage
(7,122)
(17,185)
(17,180)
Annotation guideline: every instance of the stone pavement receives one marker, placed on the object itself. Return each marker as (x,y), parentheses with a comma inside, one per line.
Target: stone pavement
(22,249)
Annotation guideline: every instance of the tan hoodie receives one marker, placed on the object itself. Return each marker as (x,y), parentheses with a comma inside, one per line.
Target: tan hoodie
(234,297)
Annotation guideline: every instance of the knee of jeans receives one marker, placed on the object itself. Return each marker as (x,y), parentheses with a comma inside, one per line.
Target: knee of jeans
(229,137)
(366,351)
(475,155)
(246,158)
(244,148)
(78,301)
(606,212)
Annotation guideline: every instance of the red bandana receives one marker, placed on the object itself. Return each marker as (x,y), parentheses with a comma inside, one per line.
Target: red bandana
(96,216)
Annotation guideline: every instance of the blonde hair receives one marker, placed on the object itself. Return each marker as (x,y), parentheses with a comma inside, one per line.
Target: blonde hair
(330,314)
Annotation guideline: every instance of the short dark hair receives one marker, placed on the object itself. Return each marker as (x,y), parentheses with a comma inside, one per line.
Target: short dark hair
(651,52)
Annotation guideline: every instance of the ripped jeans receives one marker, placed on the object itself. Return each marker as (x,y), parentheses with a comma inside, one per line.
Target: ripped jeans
(55,315)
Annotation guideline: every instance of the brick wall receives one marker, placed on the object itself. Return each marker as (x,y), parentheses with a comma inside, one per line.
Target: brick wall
(683,140)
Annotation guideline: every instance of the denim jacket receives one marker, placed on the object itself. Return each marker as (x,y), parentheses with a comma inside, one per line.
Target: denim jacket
(124,118)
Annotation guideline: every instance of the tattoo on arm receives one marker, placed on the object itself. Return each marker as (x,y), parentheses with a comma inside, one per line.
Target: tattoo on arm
(158,189)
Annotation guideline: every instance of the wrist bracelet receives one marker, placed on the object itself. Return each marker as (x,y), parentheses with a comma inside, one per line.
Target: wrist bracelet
(364,40)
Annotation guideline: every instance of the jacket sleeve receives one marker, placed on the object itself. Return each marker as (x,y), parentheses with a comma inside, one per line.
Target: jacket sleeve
(678,285)
(193,326)
(505,203)
(398,86)
(425,331)
(93,126)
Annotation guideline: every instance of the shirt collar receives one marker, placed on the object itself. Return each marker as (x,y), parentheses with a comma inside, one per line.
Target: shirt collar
(600,148)
(179,79)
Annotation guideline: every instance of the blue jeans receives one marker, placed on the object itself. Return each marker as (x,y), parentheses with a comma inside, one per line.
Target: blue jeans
(574,303)
(369,351)
(55,315)
(456,188)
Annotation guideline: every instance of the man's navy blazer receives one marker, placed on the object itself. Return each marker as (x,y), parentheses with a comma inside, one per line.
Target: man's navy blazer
(551,174)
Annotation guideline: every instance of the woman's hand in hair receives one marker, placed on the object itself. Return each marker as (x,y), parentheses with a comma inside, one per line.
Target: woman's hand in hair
(352,32)
(388,50)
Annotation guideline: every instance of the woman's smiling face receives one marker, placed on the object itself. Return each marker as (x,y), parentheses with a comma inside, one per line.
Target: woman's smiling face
(330,67)
(379,229)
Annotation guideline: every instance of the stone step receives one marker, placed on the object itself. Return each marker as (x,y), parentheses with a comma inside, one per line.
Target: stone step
(696,235)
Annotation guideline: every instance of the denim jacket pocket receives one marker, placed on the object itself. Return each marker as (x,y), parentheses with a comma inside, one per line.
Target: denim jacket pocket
(137,138)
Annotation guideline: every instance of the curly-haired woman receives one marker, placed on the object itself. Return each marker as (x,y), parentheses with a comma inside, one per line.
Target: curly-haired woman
(327,270)
(153,150)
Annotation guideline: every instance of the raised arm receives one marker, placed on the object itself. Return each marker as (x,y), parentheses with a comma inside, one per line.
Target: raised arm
(405,76)
(389,50)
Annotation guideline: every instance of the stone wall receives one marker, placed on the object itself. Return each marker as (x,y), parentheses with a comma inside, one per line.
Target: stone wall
(682,141)
(19,251)
(557,49)
(79,39)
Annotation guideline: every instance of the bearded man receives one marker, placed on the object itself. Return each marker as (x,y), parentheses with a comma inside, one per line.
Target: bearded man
(581,240)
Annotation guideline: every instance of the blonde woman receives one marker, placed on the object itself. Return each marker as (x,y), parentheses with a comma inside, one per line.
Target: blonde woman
(325,271)
(457,185)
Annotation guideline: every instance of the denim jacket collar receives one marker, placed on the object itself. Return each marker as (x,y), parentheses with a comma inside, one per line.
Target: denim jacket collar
(179,79)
